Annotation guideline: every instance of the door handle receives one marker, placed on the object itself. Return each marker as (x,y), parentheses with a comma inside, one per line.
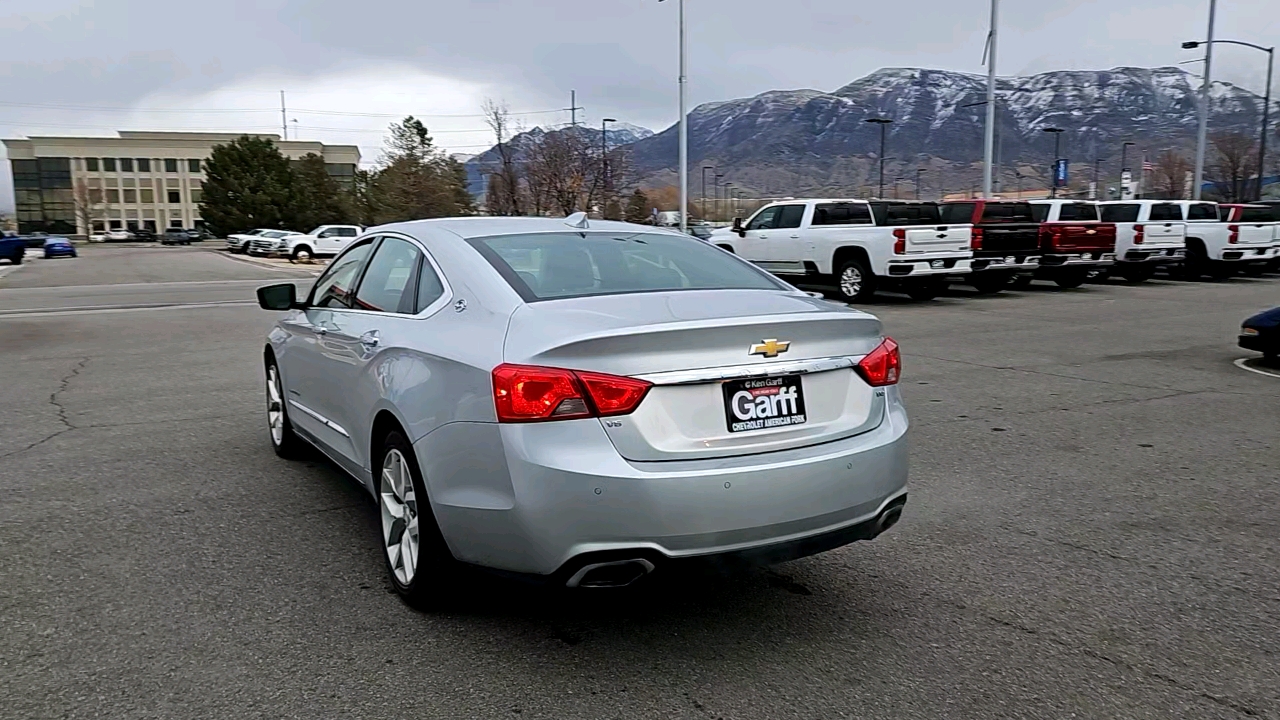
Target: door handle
(369,339)
(794,237)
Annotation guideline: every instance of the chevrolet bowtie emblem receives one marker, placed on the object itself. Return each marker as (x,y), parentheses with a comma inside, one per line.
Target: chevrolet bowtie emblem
(770,348)
(1092,232)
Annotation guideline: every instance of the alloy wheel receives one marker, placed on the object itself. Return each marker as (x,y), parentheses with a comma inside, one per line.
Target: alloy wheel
(399,507)
(275,406)
(851,281)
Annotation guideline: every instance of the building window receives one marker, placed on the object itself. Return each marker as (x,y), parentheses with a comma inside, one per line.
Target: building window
(99,226)
(91,164)
(176,224)
(175,197)
(113,196)
(196,196)
(126,164)
(95,196)
(193,165)
(116,224)
(144,164)
(148,196)
(130,197)
(170,165)
(54,172)
(109,164)
(113,182)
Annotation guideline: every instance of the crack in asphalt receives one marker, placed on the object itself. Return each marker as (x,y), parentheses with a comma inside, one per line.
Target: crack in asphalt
(62,410)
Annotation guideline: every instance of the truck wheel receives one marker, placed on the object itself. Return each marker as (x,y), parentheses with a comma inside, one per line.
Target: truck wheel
(1069,279)
(925,291)
(16,259)
(1254,269)
(1138,273)
(855,282)
(1219,270)
(301,254)
(990,283)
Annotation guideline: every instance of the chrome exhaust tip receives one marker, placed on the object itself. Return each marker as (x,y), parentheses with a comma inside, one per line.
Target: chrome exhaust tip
(889,518)
(619,573)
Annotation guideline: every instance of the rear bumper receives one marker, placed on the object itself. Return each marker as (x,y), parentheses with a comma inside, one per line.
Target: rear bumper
(1007,263)
(907,267)
(1155,255)
(561,497)
(1249,253)
(1091,258)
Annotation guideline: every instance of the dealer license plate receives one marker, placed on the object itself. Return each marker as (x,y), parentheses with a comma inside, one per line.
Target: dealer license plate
(761,403)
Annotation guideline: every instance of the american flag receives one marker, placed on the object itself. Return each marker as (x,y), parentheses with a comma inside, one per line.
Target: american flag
(1147,167)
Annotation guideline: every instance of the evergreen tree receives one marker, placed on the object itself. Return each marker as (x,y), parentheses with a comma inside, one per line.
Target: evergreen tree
(416,179)
(248,184)
(318,199)
(637,207)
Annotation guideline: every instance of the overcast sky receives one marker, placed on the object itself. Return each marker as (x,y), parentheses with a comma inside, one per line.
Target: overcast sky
(88,67)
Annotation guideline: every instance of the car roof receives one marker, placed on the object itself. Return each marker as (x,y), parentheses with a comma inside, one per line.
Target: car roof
(475,227)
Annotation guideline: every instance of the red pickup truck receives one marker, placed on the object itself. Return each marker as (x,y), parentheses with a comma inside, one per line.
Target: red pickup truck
(1074,240)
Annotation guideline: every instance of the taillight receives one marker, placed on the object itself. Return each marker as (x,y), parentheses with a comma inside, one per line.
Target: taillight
(899,241)
(975,240)
(882,366)
(1139,234)
(523,393)
(1235,234)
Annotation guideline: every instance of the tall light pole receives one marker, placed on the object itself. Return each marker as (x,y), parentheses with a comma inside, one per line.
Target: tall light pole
(918,172)
(715,179)
(705,168)
(1124,167)
(882,122)
(1057,155)
(1202,131)
(604,161)
(1266,101)
(989,137)
(684,128)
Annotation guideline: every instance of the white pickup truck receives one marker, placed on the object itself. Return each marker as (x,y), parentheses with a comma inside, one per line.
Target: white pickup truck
(324,241)
(855,246)
(1216,248)
(1149,233)
(1257,232)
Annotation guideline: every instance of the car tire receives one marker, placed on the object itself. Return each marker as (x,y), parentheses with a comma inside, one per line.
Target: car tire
(284,440)
(1070,279)
(990,283)
(301,253)
(854,281)
(925,291)
(420,566)
(1218,270)
(16,259)
(1253,270)
(1138,273)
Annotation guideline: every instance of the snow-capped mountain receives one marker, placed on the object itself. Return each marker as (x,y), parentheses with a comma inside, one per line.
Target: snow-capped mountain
(802,141)
(618,135)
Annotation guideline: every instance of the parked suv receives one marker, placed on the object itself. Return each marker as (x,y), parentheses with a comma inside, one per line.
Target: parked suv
(324,241)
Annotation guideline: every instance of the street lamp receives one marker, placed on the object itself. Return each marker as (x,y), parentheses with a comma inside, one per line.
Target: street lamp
(604,158)
(684,128)
(705,168)
(1057,155)
(1203,128)
(1266,102)
(918,172)
(1124,168)
(882,122)
(716,182)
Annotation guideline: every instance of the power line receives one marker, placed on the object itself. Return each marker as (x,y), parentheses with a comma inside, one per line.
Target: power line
(310,111)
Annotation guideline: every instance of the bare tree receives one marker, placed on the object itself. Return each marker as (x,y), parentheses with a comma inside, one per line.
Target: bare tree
(1169,175)
(88,205)
(507,200)
(1235,160)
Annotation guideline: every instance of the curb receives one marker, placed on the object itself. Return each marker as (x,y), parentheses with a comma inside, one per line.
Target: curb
(264,263)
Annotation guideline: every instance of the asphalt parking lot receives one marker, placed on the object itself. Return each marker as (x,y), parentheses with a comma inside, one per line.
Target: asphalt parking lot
(1093,531)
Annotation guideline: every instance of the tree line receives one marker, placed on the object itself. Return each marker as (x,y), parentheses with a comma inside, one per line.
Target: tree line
(250,184)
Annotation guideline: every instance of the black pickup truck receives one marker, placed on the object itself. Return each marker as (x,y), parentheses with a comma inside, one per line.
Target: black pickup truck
(1006,240)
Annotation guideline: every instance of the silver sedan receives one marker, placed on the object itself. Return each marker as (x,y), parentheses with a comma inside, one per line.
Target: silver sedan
(585,402)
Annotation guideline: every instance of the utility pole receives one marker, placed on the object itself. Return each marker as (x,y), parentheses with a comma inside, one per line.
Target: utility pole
(573,108)
(1266,122)
(604,160)
(1204,105)
(284,124)
(716,182)
(882,122)
(989,139)
(1057,155)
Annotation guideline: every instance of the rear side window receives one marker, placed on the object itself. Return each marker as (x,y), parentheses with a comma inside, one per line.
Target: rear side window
(1120,213)
(1202,211)
(388,284)
(347,232)
(1007,212)
(957,213)
(1165,212)
(895,214)
(790,217)
(1258,214)
(429,286)
(841,214)
(547,266)
(1078,211)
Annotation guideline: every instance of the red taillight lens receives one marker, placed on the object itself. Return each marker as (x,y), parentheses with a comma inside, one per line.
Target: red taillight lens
(975,241)
(524,393)
(1235,234)
(613,395)
(899,241)
(1139,234)
(882,366)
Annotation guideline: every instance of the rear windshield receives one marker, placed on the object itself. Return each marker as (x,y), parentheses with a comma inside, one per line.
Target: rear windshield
(1202,211)
(564,265)
(1165,211)
(1120,213)
(1256,214)
(957,213)
(1078,211)
(906,214)
(1007,212)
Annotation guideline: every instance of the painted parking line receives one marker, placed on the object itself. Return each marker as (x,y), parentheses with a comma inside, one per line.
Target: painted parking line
(1244,364)
(20,313)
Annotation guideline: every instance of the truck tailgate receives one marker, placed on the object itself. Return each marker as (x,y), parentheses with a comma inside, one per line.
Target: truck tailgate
(999,239)
(1077,237)
(941,238)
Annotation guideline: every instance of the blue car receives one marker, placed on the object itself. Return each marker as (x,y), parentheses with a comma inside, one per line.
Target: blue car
(1261,333)
(58,247)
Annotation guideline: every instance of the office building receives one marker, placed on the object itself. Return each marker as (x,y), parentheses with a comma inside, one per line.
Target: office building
(153,180)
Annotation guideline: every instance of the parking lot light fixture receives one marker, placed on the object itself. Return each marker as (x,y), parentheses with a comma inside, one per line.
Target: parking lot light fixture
(882,122)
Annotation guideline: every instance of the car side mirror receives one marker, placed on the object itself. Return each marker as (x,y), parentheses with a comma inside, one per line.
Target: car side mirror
(737,227)
(278,297)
